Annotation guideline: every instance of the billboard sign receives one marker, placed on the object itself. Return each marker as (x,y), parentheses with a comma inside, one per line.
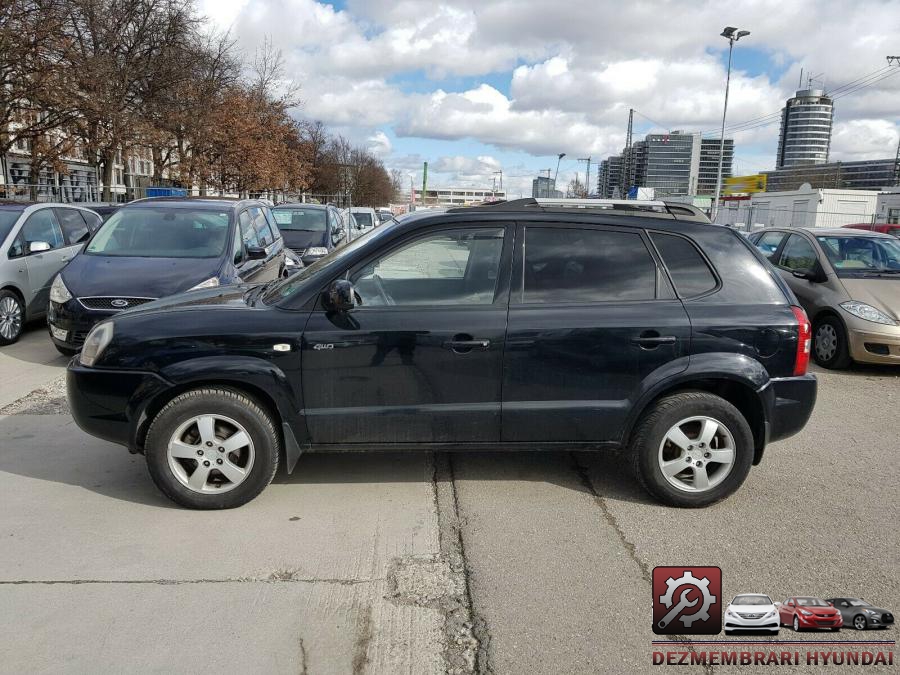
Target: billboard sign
(740,185)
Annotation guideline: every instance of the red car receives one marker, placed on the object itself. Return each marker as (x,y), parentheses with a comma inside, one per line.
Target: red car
(808,613)
(886,228)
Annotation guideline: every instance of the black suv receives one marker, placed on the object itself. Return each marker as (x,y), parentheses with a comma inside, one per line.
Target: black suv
(521,325)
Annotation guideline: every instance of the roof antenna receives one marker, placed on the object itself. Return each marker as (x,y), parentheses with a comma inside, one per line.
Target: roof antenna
(800,83)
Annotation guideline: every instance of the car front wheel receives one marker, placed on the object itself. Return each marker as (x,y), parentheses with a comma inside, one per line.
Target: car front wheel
(830,345)
(212,448)
(692,449)
(12,317)
(859,622)
(796,625)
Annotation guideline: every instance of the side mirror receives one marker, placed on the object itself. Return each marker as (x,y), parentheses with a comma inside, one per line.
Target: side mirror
(38,246)
(778,604)
(814,274)
(256,253)
(341,296)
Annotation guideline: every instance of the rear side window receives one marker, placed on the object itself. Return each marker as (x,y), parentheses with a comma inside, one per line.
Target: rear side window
(582,265)
(74,228)
(686,265)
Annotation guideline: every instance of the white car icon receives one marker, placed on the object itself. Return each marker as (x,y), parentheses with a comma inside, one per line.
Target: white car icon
(751,611)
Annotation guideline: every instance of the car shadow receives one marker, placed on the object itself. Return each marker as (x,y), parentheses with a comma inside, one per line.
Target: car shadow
(35,346)
(860,370)
(51,448)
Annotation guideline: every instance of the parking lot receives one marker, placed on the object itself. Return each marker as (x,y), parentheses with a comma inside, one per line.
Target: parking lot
(502,562)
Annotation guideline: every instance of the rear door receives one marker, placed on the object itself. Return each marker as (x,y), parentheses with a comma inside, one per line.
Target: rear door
(591,317)
(419,361)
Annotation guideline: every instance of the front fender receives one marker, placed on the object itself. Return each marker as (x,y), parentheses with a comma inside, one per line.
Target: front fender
(728,366)
(254,375)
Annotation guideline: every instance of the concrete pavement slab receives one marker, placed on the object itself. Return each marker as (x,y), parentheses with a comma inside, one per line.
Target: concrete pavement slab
(28,364)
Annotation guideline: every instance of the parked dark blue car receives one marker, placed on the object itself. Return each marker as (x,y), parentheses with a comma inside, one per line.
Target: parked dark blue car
(153,248)
(311,231)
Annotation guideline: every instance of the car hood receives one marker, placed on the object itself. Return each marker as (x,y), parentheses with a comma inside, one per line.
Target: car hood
(881,293)
(93,275)
(233,296)
(303,238)
(819,611)
(752,609)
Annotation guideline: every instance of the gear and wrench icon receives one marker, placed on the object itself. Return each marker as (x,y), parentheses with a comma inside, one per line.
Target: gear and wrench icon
(702,584)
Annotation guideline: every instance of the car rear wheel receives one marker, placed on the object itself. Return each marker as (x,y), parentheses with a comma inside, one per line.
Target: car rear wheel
(859,622)
(830,346)
(12,317)
(692,449)
(212,449)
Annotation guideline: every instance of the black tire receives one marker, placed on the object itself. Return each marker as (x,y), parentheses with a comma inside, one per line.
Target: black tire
(11,306)
(729,632)
(655,424)
(835,629)
(213,401)
(65,351)
(833,329)
(856,624)
(796,624)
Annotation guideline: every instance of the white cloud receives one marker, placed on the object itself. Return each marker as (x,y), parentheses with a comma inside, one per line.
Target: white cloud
(379,144)
(864,139)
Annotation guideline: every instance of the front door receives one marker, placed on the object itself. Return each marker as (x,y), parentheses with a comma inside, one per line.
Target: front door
(250,271)
(41,226)
(591,318)
(419,360)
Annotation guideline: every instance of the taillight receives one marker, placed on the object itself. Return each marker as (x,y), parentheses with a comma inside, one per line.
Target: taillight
(804,341)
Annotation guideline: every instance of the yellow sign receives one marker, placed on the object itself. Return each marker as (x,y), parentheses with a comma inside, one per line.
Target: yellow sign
(745,184)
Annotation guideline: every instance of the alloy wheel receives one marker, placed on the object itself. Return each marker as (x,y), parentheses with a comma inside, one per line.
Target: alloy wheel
(859,623)
(697,454)
(826,342)
(796,624)
(10,318)
(210,454)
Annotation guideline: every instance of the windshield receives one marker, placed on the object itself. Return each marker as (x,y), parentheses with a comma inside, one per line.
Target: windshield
(811,602)
(305,220)
(752,600)
(287,287)
(160,232)
(859,603)
(363,219)
(861,256)
(8,217)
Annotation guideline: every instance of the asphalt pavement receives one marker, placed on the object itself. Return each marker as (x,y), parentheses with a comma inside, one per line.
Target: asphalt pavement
(415,563)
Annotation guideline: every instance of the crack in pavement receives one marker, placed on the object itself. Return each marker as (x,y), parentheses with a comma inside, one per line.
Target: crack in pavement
(629,547)
(303,665)
(274,578)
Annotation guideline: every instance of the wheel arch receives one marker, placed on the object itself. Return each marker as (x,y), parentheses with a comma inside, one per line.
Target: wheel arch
(740,392)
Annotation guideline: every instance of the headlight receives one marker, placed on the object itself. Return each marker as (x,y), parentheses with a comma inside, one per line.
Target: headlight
(870,611)
(805,612)
(97,340)
(867,312)
(728,612)
(317,250)
(58,291)
(770,614)
(289,262)
(212,282)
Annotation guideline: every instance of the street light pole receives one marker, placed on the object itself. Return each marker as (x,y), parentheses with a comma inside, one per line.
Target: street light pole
(732,34)
(556,175)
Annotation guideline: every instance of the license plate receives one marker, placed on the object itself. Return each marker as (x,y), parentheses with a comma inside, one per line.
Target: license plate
(58,333)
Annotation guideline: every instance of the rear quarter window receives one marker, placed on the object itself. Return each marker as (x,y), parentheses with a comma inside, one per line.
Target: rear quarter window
(689,271)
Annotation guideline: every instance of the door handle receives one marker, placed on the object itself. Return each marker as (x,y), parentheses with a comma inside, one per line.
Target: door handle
(462,344)
(651,340)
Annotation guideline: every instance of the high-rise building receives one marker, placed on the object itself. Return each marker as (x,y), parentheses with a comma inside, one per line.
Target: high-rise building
(542,186)
(869,174)
(805,136)
(609,179)
(709,164)
(668,163)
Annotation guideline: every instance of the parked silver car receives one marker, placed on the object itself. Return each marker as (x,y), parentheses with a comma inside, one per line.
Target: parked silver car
(36,242)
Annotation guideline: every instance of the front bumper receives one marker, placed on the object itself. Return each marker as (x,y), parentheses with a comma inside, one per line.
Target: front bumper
(70,323)
(820,621)
(735,621)
(868,346)
(109,404)
(789,402)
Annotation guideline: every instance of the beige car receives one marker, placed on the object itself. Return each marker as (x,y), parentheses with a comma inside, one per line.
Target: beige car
(848,281)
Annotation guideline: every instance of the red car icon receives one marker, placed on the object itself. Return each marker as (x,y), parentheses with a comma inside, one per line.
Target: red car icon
(804,613)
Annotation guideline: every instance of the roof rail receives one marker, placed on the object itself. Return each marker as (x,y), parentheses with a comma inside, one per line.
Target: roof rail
(634,207)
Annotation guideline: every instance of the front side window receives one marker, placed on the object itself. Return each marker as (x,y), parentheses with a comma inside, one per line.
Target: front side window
(74,227)
(454,267)
(162,232)
(248,231)
(261,225)
(363,219)
(41,226)
(566,265)
(798,254)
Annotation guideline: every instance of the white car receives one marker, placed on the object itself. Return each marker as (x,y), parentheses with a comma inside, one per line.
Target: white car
(751,611)
(366,220)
